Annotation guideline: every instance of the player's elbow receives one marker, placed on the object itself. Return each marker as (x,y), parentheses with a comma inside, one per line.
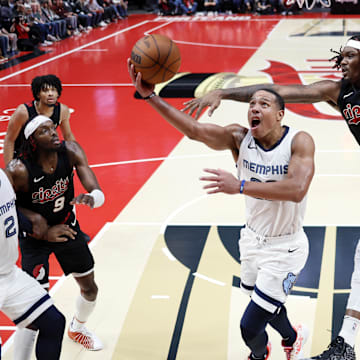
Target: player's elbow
(298,193)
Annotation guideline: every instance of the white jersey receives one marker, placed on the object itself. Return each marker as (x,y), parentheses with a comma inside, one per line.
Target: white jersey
(8,225)
(267,217)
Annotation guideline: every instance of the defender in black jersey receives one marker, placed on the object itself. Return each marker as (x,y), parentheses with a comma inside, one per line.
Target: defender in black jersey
(46,91)
(345,96)
(43,180)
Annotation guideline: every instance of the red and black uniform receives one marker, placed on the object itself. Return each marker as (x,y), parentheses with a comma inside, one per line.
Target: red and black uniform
(349,105)
(30,106)
(50,196)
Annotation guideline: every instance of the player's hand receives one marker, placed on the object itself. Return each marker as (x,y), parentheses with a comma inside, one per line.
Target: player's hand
(142,87)
(221,181)
(212,99)
(85,199)
(39,226)
(60,233)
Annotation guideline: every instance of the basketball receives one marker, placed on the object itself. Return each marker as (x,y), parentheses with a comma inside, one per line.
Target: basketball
(157,58)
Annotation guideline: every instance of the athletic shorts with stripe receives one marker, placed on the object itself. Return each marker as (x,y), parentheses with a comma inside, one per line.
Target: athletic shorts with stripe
(270,266)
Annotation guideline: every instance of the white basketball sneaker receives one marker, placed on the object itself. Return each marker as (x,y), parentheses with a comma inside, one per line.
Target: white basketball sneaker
(85,338)
(295,351)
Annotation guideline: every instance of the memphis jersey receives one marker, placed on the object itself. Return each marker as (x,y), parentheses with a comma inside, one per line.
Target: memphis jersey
(269,217)
(8,225)
(50,194)
(349,105)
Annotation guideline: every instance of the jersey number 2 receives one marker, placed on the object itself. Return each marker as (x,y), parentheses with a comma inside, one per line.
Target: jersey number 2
(10,229)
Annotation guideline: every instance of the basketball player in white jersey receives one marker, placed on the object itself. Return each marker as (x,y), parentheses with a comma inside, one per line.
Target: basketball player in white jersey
(22,298)
(275,168)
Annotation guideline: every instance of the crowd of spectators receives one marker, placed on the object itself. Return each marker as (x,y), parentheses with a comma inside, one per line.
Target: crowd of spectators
(214,7)
(28,24)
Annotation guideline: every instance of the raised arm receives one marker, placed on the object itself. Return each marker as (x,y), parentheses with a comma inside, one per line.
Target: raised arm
(214,136)
(326,90)
(293,188)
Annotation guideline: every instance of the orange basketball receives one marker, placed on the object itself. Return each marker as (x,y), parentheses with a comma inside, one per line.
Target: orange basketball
(157,58)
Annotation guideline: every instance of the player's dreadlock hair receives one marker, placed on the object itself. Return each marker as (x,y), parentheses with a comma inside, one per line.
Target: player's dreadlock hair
(28,149)
(43,82)
(338,57)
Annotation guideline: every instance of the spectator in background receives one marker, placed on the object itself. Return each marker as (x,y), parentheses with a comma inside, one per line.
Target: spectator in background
(64,11)
(28,38)
(11,40)
(6,14)
(186,7)
(121,6)
(3,49)
(85,16)
(211,6)
(264,7)
(166,7)
(55,20)
(94,7)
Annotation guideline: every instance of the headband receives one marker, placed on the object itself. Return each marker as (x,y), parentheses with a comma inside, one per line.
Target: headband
(354,44)
(34,124)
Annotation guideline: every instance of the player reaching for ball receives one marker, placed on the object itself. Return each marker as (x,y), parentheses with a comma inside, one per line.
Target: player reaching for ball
(275,168)
(345,96)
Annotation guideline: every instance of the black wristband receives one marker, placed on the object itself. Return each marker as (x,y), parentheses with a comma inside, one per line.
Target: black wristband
(149,96)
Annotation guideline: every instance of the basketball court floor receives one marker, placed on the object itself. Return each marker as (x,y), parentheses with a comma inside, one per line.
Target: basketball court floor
(166,253)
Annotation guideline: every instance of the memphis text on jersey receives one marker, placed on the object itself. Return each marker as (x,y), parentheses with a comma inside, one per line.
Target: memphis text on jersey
(7,206)
(44,195)
(265,169)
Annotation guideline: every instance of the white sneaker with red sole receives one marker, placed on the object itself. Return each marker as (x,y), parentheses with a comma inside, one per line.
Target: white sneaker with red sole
(295,351)
(85,338)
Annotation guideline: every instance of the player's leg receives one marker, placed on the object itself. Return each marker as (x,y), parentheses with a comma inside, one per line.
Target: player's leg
(342,347)
(27,304)
(254,319)
(83,272)
(279,269)
(34,261)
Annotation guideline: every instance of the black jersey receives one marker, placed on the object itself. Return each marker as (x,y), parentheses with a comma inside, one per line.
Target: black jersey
(55,117)
(349,105)
(50,194)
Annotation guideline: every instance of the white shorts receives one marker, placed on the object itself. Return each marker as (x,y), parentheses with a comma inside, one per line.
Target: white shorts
(22,298)
(270,266)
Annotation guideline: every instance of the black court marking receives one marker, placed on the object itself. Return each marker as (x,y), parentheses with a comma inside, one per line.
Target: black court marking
(20,59)
(186,243)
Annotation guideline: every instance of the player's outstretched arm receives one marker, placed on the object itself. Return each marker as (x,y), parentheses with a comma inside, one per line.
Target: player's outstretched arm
(95,197)
(214,136)
(326,90)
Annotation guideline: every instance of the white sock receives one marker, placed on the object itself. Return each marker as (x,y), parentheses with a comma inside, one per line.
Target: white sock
(349,329)
(83,310)
(23,343)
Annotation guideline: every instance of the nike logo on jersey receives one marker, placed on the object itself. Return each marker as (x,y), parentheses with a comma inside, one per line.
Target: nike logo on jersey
(292,250)
(73,222)
(38,179)
(347,95)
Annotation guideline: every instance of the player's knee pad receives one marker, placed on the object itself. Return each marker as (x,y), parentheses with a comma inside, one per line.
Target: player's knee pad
(51,322)
(254,321)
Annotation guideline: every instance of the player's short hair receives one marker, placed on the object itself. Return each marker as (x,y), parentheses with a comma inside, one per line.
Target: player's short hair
(278,98)
(43,82)
(338,57)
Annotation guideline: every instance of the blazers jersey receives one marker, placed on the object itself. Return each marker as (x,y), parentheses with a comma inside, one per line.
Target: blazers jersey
(8,225)
(50,194)
(269,217)
(349,105)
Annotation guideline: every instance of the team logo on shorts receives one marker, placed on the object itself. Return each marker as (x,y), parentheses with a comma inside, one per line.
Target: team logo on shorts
(289,282)
(39,272)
